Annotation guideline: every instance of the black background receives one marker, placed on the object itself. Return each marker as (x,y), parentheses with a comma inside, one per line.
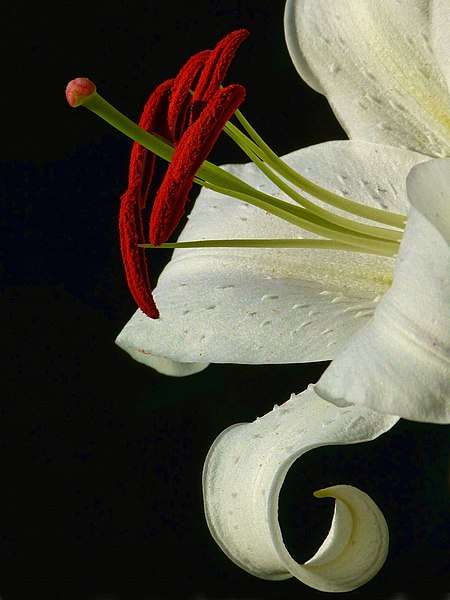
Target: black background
(100,456)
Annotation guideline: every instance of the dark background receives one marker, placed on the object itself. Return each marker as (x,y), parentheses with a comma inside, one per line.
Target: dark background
(100,456)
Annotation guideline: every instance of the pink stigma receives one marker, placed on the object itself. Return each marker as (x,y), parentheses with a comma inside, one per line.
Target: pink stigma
(78,90)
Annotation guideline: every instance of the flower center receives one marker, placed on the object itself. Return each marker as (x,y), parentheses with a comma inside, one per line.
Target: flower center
(181,122)
(338,232)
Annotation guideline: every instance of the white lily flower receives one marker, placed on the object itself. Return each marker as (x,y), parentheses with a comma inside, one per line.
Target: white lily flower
(390,339)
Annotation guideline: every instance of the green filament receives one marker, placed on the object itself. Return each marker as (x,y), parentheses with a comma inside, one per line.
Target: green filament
(340,231)
(263,243)
(374,214)
(350,224)
(291,214)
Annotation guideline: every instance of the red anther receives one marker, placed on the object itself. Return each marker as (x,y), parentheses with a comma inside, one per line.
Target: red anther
(216,67)
(134,257)
(167,113)
(192,149)
(181,97)
(142,162)
(134,200)
(78,90)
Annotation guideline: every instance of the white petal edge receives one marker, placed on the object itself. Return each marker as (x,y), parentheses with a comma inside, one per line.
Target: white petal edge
(374,63)
(399,363)
(429,192)
(273,306)
(440,35)
(165,365)
(242,478)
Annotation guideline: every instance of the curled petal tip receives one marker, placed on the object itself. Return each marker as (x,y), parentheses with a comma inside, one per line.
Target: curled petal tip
(78,90)
(242,478)
(323,493)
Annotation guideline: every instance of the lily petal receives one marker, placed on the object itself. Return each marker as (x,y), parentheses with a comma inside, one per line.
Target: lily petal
(399,363)
(244,472)
(273,306)
(440,36)
(373,61)
(165,366)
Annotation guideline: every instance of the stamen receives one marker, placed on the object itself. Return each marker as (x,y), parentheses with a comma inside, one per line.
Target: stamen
(301,218)
(181,98)
(191,111)
(223,182)
(133,202)
(216,68)
(263,243)
(134,258)
(356,208)
(193,148)
(165,115)
(253,152)
(142,162)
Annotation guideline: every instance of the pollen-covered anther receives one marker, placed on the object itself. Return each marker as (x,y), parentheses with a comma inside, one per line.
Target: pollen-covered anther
(192,149)
(170,128)
(215,69)
(133,203)
(179,109)
(79,90)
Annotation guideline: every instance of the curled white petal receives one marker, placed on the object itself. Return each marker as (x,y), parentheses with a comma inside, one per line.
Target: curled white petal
(374,62)
(399,363)
(285,305)
(242,478)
